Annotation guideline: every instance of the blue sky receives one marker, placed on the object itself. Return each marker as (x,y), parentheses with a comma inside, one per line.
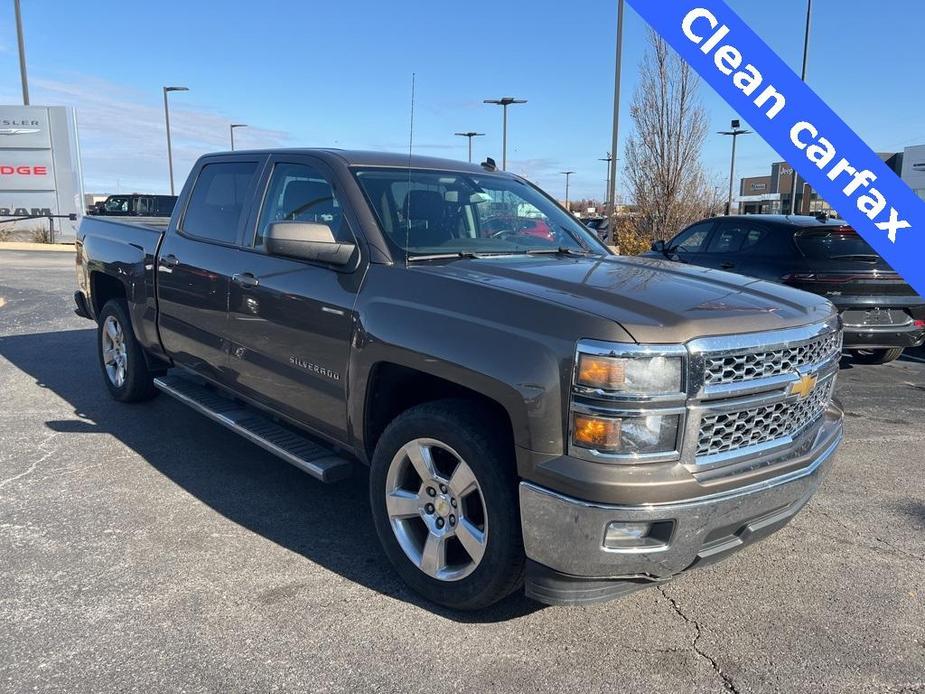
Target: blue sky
(317,73)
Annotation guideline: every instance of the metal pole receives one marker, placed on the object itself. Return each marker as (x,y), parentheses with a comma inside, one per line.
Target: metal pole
(504,141)
(231,128)
(169,150)
(732,168)
(809,21)
(167,123)
(470,149)
(567,175)
(22,54)
(612,176)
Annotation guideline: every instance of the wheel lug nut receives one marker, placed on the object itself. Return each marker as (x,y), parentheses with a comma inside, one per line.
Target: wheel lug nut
(429,508)
(453,502)
(443,489)
(431,491)
(452,519)
(440,522)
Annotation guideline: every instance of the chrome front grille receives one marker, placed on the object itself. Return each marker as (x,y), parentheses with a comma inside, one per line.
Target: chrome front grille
(726,368)
(731,431)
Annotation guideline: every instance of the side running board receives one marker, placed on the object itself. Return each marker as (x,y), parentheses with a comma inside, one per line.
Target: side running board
(315,458)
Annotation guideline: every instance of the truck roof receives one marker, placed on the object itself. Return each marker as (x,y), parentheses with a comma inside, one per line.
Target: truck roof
(353,157)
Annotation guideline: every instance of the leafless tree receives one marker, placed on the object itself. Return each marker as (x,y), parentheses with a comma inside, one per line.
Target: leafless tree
(663,155)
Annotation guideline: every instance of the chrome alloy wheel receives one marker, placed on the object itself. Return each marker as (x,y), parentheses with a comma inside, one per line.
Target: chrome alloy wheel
(114,352)
(436,509)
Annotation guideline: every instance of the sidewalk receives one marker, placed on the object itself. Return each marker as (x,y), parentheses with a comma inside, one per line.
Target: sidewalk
(28,246)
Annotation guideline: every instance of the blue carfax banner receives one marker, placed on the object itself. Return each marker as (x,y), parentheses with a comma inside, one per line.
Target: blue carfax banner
(794,121)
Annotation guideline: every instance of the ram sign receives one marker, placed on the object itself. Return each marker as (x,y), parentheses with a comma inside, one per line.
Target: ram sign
(39,172)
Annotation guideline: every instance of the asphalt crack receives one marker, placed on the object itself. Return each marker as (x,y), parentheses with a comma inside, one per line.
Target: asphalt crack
(28,471)
(728,684)
(888,546)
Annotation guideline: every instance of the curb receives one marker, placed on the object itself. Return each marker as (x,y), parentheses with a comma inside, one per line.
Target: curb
(27,246)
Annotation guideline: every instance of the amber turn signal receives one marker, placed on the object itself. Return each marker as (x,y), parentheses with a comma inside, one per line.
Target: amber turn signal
(601,372)
(597,432)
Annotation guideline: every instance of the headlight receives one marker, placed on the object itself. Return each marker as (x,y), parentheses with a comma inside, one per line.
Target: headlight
(642,375)
(636,435)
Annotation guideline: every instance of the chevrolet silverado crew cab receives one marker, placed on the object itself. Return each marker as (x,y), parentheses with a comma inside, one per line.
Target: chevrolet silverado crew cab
(534,411)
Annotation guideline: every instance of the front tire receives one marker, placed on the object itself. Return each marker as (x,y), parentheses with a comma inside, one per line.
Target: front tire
(877,356)
(444,500)
(122,360)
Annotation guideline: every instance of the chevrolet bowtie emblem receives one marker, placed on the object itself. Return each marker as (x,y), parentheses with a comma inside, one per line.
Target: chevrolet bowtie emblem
(804,386)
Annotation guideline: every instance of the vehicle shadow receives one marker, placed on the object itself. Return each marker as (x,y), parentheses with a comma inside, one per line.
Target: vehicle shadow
(329,524)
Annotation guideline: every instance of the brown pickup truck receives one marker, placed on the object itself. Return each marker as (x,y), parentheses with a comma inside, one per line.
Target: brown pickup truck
(533,410)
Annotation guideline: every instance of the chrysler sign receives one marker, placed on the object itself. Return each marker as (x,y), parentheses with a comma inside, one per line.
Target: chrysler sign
(39,168)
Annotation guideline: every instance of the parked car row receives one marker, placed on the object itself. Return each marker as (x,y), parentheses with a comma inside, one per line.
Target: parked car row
(881,313)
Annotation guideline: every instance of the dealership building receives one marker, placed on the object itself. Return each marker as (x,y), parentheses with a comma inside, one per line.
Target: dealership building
(772,194)
(40,175)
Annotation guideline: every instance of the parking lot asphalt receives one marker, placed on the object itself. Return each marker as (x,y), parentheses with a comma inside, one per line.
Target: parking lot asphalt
(143,548)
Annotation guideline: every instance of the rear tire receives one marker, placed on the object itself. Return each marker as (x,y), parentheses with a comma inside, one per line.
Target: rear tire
(122,360)
(877,356)
(442,485)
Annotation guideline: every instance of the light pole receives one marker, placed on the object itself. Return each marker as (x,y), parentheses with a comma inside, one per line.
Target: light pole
(567,174)
(618,67)
(607,160)
(809,23)
(231,131)
(22,54)
(735,132)
(504,102)
(167,122)
(470,135)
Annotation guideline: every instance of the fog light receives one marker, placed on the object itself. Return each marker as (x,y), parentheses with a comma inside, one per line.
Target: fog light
(620,535)
(639,536)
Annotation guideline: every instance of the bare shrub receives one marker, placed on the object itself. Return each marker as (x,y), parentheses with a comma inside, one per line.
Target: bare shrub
(667,181)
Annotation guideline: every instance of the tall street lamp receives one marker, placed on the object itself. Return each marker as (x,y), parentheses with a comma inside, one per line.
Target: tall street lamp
(735,132)
(470,135)
(809,22)
(607,160)
(612,177)
(22,54)
(504,102)
(167,121)
(231,131)
(567,174)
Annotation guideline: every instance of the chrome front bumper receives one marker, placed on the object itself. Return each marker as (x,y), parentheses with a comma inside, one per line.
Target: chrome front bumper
(564,537)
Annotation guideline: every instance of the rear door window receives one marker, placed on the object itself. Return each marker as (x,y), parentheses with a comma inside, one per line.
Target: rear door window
(218,200)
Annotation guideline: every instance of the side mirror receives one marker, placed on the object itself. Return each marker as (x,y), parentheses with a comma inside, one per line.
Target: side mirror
(660,247)
(307,241)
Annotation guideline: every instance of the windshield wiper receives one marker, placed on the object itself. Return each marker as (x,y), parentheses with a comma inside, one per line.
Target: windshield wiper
(443,256)
(561,250)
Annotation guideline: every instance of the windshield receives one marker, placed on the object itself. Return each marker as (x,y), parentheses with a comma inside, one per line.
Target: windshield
(433,212)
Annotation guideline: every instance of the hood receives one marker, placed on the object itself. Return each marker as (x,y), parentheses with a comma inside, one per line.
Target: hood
(655,301)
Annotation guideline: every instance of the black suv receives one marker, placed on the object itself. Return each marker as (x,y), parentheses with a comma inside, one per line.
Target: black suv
(882,314)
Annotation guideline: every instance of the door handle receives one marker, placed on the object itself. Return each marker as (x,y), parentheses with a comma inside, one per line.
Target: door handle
(245,279)
(170,261)
(727,265)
